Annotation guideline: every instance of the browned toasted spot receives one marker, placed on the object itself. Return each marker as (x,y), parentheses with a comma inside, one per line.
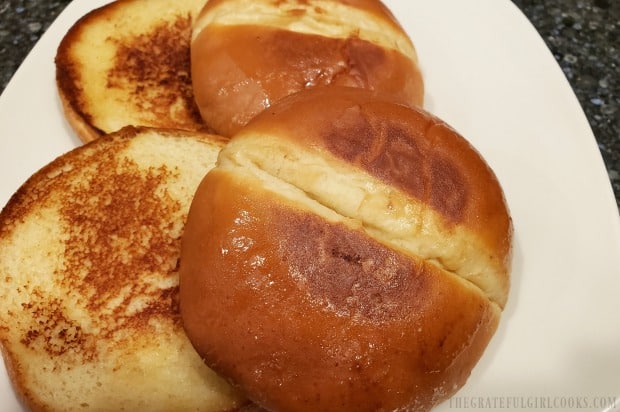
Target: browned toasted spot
(157,64)
(344,270)
(53,331)
(114,234)
(300,60)
(287,291)
(364,59)
(399,155)
(116,230)
(322,60)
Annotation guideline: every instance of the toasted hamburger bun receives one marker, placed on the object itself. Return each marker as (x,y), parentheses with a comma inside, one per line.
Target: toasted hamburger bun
(248,54)
(128,63)
(89,251)
(347,254)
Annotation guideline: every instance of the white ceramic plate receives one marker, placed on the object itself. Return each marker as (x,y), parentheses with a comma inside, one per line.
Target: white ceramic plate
(489,75)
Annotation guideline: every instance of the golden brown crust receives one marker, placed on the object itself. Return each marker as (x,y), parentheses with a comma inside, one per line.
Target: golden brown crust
(146,71)
(78,122)
(241,68)
(89,250)
(68,83)
(347,253)
(406,148)
(308,315)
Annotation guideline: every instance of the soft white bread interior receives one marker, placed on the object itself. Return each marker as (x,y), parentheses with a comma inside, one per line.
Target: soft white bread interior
(246,55)
(89,256)
(128,63)
(347,254)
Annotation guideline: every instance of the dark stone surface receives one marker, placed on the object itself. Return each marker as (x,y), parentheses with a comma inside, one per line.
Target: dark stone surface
(583,35)
(22,22)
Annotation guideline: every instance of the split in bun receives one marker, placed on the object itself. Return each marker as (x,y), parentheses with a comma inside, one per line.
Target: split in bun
(347,253)
(247,55)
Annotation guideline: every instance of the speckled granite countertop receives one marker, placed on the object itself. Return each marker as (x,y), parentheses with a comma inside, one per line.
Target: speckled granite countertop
(582,35)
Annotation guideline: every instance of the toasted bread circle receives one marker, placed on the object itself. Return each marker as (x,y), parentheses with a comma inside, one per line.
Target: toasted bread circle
(347,253)
(128,63)
(89,256)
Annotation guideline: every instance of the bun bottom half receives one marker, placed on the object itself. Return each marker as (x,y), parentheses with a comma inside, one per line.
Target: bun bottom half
(89,249)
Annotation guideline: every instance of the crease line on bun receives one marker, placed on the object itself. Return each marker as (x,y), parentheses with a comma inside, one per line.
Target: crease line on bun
(279,179)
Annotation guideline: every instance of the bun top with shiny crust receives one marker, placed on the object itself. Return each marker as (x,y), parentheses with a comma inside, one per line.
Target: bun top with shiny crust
(347,253)
(246,55)
(455,207)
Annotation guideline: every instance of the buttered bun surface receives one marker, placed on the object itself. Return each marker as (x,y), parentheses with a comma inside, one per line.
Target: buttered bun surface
(89,249)
(347,253)
(248,54)
(127,63)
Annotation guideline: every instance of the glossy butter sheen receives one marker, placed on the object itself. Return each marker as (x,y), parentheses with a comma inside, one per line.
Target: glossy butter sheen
(242,65)
(431,176)
(252,67)
(310,273)
(255,275)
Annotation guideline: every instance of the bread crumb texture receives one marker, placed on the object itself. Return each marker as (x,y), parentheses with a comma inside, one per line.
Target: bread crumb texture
(89,284)
(156,65)
(127,64)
